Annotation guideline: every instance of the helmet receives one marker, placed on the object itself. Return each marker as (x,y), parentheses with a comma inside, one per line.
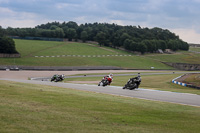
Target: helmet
(110,75)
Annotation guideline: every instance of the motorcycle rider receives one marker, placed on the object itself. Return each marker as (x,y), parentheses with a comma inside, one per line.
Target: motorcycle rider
(137,80)
(57,77)
(61,77)
(109,78)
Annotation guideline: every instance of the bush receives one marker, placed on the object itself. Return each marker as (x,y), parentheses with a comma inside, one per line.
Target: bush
(7,45)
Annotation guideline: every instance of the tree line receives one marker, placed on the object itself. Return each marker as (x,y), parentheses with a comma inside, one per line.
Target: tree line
(133,38)
(7,45)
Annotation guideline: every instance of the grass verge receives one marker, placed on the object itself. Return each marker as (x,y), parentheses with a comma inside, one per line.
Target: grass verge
(36,108)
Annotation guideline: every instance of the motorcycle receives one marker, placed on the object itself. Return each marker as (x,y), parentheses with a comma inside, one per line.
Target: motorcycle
(57,78)
(104,82)
(131,84)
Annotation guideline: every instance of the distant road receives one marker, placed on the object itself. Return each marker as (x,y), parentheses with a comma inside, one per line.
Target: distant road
(154,95)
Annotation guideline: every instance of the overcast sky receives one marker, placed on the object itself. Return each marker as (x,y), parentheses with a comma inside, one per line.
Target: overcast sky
(179,16)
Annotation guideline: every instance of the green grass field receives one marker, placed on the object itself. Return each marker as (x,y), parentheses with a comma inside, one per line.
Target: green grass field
(37,108)
(48,48)
(31,48)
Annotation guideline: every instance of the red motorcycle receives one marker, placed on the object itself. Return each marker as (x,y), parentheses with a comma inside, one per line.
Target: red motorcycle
(105,81)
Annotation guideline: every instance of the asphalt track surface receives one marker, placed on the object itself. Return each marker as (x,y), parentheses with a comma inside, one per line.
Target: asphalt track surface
(148,94)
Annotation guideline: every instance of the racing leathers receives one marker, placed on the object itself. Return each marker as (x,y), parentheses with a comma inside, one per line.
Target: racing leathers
(137,80)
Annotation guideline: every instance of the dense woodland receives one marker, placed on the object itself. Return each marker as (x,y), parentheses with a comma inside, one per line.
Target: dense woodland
(133,38)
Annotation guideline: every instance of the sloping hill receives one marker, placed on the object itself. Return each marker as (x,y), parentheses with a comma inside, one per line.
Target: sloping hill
(50,53)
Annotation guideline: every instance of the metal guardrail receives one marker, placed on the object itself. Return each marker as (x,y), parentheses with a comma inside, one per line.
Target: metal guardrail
(179,83)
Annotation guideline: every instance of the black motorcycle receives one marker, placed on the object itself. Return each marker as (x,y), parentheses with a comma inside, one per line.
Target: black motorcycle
(132,83)
(57,78)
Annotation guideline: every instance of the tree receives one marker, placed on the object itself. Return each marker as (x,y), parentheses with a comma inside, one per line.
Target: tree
(84,36)
(22,32)
(162,44)
(7,45)
(123,38)
(134,46)
(148,45)
(11,31)
(91,32)
(127,44)
(53,27)
(79,30)
(101,38)
(173,44)
(142,48)
(184,45)
(71,34)
(72,24)
(59,32)
(2,32)
(106,34)
(115,40)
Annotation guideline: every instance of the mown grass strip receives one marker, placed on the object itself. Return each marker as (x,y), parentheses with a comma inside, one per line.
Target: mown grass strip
(36,108)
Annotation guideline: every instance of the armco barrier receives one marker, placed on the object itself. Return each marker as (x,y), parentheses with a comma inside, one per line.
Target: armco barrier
(179,83)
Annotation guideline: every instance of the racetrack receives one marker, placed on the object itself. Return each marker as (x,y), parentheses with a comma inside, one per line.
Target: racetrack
(155,95)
